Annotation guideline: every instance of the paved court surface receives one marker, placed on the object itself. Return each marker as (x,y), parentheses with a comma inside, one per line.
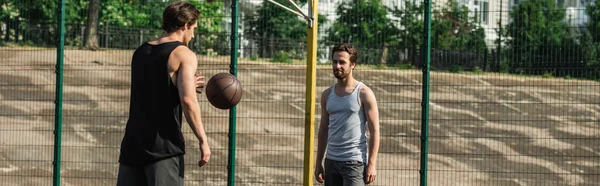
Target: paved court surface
(490,129)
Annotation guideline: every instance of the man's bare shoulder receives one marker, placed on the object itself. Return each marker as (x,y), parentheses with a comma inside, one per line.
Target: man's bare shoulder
(365,91)
(326,92)
(183,53)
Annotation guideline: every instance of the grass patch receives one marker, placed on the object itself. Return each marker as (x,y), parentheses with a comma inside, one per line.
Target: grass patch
(547,75)
(253,58)
(477,70)
(456,69)
(282,57)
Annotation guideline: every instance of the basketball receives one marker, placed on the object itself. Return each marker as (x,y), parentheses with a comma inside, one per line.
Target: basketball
(223,91)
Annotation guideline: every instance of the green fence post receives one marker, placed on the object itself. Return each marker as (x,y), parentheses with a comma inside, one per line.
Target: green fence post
(425,94)
(232,111)
(58,95)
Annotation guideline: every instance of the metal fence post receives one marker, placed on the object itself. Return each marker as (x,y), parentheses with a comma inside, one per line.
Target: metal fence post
(58,99)
(425,94)
(232,111)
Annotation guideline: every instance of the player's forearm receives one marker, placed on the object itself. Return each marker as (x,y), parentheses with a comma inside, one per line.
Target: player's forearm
(373,146)
(193,116)
(321,145)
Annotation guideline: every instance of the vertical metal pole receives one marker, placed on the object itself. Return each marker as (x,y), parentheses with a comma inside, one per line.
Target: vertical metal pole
(311,76)
(58,95)
(425,94)
(232,111)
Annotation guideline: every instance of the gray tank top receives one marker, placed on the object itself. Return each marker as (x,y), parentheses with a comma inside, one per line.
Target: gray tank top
(347,136)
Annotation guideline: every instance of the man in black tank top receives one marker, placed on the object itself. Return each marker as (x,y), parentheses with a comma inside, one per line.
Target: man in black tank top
(163,85)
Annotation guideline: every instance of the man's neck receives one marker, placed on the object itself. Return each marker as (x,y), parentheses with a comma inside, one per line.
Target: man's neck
(349,81)
(170,37)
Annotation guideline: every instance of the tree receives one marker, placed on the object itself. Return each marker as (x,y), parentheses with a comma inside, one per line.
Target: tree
(364,23)
(536,35)
(91,30)
(8,12)
(592,38)
(453,29)
(410,29)
(273,29)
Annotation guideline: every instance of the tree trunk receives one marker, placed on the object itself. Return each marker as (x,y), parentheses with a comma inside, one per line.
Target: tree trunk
(384,54)
(90,40)
(263,46)
(7,33)
(17,30)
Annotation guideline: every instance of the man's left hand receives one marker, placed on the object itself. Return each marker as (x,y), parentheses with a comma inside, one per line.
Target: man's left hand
(370,174)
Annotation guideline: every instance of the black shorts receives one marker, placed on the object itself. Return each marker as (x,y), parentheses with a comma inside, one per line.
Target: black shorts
(161,173)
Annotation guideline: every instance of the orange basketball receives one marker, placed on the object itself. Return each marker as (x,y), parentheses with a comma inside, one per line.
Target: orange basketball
(223,91)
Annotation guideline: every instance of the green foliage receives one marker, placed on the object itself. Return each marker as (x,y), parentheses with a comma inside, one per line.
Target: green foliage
(253,57)
(504,68)
(76,12)
(592,38)
(362,22)
(282,57)
(453,29)
(148,14)
(593,26)
(37,21)
(411,19)
(477,70)
(537,26)
(8,9)
(547,75)
(35,11)
(410,34)
(271,21)
(365,24)
(456,69)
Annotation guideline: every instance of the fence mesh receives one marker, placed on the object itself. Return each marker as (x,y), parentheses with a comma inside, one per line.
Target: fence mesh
(513,98)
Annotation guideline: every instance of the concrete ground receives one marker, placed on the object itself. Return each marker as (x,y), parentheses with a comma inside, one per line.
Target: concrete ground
(490,129)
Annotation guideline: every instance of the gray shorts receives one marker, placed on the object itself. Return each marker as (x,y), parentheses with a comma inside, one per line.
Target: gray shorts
(344,173)
(164,172)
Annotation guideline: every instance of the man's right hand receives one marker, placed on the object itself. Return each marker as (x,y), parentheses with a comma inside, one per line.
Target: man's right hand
(319,173)
(204,154)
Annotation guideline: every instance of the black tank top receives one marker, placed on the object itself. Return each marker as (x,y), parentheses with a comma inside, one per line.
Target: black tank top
(153,131)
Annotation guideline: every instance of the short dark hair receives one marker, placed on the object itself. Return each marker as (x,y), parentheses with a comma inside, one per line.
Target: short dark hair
(177,14)
(345,47)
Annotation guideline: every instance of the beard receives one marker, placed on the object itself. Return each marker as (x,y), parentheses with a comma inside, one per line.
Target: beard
(340,74)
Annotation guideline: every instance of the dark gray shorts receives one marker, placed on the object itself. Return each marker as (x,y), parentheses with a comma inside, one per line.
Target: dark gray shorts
(344,173)
(165,172)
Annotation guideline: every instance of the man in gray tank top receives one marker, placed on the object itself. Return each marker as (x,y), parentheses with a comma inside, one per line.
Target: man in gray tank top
(348,111)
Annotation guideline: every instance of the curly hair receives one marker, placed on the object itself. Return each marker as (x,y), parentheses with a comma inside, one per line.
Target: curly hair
(345,47)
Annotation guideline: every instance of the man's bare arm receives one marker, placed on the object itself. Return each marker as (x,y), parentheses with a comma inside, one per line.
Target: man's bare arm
(186,84)
(370,105)
(322,137)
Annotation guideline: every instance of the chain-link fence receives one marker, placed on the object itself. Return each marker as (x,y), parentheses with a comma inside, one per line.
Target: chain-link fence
(513,91)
